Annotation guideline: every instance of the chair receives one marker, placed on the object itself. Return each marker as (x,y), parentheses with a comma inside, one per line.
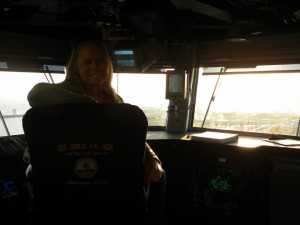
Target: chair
(87,163)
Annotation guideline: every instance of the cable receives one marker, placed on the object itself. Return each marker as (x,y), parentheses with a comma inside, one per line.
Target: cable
(213,96)
(4,123)
(49,74)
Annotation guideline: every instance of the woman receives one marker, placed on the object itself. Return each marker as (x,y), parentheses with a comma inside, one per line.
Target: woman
(88,79)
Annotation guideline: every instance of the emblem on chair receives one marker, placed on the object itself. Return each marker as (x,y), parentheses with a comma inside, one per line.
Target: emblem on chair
(107,147)
(86,167)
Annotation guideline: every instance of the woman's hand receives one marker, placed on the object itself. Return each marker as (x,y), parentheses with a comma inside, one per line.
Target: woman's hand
(153,170)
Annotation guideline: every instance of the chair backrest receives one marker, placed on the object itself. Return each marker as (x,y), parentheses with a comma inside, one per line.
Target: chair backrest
(87,163)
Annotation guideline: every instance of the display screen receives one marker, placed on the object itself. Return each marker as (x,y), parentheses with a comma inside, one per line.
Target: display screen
(124,57)
(8,188)
(220,190)
(125,60)
(176,84)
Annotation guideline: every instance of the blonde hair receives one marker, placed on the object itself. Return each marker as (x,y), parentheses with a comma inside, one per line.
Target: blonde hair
(73,77)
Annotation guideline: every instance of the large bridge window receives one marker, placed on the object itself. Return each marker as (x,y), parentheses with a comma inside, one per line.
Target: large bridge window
(144,90)
(14,87)
(265,99)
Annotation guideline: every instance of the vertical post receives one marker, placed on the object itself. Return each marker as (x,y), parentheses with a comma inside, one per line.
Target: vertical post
(298,129)
(4,123)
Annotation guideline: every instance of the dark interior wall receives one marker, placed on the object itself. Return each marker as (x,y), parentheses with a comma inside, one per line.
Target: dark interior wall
(26,51)
(181,161)
(32,49)
(251,185)
(257,50)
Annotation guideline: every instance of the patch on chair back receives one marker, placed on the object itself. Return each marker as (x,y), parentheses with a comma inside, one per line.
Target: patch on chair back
(85,167)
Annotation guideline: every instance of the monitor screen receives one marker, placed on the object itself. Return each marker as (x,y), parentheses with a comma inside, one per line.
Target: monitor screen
(125,60)
(176,84)
(8,188)
(220,190)
(124,57)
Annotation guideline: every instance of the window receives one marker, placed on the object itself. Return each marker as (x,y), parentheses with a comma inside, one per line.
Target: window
(265,99)
(146,91)
(14,87)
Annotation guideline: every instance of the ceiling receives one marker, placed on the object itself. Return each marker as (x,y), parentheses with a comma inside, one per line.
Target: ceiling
(179,20)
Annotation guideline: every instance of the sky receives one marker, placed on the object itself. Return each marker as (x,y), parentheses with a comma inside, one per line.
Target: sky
(252,93)
(248,93)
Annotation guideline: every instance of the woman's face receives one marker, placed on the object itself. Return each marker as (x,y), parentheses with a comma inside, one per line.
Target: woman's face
(92,65)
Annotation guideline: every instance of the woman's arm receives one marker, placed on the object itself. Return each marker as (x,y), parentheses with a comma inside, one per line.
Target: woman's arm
(43,94)
(153,168)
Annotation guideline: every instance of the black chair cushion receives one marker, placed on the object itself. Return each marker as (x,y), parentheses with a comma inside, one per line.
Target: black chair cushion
(87,162)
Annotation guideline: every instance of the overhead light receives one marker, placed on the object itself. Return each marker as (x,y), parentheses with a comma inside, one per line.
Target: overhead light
(256,32)
(235,34)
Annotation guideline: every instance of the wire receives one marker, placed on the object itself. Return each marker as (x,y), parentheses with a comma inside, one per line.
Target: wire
(213,96)
(49,74)
(4,123)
